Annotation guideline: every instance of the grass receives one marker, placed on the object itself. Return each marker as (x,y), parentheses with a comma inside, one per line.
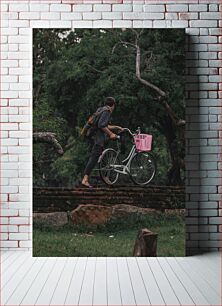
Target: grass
(116,238)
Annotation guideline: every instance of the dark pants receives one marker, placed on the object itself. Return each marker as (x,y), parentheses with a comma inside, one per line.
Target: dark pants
(97,149)
(93,159)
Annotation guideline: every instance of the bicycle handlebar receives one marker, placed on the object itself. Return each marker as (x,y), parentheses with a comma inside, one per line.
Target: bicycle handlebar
(128,130)
(131,133)
(138,131)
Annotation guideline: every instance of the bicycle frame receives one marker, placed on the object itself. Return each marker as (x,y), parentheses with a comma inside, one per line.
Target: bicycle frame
(110,164)
(125,168)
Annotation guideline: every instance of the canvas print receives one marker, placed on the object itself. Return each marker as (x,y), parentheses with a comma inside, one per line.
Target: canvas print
(108,142)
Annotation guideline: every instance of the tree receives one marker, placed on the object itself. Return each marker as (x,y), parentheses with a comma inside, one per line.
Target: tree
(171,125)
(142,69)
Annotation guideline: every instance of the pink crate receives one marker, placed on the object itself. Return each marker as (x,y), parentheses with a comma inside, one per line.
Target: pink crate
(143,142)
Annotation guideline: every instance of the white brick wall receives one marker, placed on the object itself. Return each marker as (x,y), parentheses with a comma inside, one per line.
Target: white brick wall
(200,18)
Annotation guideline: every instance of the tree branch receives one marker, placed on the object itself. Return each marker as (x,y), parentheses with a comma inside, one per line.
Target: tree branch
(121,42)
(138,74)
(138,55)
(94,69)
(161,94)
(48,137)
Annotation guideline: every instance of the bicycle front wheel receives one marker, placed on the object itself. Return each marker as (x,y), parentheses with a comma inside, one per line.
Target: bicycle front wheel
(142,168)
(106,166)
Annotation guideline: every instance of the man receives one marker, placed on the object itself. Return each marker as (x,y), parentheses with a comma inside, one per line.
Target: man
(104,129)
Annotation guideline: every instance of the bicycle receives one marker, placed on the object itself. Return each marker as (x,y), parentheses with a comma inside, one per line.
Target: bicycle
(139,165)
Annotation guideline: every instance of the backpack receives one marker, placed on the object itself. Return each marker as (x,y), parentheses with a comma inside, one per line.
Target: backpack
(90,128)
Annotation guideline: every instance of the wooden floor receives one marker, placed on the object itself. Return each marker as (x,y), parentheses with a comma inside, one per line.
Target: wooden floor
(27,280)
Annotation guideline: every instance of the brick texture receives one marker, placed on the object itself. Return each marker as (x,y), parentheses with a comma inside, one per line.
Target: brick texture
(201,21)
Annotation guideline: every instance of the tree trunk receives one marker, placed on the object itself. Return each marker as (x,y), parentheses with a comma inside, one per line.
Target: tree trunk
(173,138)
(146,244)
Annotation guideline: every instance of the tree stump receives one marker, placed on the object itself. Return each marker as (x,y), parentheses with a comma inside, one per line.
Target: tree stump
(146,244)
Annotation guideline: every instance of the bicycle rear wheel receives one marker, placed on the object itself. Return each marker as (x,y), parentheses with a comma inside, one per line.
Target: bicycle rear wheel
(142,168)
(107,173)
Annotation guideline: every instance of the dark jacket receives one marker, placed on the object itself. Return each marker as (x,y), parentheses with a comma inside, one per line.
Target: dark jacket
(104,121)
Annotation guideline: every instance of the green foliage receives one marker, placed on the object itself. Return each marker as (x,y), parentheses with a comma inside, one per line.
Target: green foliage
(67,169)
(75,70)
(161,154)
(45,118)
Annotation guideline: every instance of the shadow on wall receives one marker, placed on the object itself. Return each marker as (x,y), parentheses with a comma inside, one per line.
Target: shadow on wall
(193,171)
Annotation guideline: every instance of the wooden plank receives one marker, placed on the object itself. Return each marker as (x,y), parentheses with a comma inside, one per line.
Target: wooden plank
(75,285)
(126,289)
(113,285)
(4,255)
(86,294)
(187,282)
(100,283)
(47,292)
(17,295)
(180,291)
(17,278)
(37,285)
(14,269)
(212,260)
(13,255)
(139,288)
(167,291)
(152,287)
(119,280)
(206,273)
(10,261)
(208,292)
(62,288)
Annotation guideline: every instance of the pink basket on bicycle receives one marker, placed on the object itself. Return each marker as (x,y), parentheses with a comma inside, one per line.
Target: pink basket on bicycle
(143,142)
